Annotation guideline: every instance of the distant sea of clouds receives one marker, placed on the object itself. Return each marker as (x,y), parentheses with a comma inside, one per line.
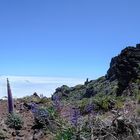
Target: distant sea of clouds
(26,85)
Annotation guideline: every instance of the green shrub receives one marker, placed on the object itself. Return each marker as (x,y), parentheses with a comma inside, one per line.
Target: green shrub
(105,104)
(102,101)
(137,81)
(79,87)
(64,135)
(119,102)
(138,99)
(138,111)
(28,99)
(82,104)
(2,135)
(43,100)
(14,121)
(52,113)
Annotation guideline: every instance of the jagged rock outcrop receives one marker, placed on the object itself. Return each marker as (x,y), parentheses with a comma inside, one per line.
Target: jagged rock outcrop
(125,67)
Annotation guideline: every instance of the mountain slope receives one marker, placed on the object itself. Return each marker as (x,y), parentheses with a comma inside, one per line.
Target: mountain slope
(123,74)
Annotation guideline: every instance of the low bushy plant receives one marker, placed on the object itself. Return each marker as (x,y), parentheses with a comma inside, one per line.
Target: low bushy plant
(52,112)
(102,101)
(44,100)
(26,99)
(14,121)
(119,102)
(41,116)
(138,111)
(64,135)
(2,135)
(138,99)
(29,99)
(82,104)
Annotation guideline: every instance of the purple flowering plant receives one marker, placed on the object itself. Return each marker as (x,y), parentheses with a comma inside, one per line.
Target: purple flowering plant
(75,115)
(57,103)
(10,98)
(89,108)
(41,115)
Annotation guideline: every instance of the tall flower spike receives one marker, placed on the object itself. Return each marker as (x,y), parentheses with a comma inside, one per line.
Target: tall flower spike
(10,99)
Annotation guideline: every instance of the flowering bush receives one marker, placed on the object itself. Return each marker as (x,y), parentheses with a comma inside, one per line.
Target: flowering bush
(57,103)
(41,115)
(89,108)
(75,115)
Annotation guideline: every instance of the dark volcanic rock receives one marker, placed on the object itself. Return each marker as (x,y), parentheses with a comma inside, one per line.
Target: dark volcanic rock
(61,92)
(125,67)
(35,95)
(89,92)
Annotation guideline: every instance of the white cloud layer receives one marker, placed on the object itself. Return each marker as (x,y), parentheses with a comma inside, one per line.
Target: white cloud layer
(27,85)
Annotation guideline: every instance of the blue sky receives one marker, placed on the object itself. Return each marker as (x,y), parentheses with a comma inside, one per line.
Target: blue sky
(65,38)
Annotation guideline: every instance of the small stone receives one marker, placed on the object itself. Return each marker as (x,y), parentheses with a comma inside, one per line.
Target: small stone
(14,134)
(21,134)
(18,138)
(120,118)
(38,135)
